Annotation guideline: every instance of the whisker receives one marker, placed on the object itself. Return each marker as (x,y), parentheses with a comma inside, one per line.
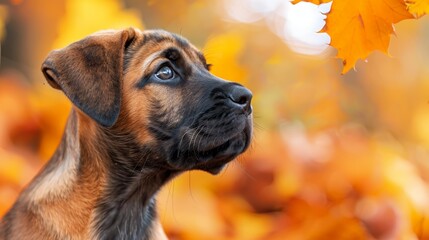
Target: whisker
(196,139)
(243,169)
(190,187)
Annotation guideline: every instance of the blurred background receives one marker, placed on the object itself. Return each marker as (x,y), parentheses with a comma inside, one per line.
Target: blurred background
(333,157)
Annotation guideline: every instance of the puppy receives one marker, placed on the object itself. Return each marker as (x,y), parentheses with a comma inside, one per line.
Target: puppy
(145,109)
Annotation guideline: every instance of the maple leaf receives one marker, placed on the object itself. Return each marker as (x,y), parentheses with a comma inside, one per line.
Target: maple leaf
(418,7)
(358,27)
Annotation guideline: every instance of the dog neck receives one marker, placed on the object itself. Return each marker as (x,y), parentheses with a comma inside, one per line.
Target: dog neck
(126,209)
(108,184)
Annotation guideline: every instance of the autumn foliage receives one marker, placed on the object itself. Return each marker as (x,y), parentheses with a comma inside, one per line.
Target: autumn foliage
(358,27)
(334,156)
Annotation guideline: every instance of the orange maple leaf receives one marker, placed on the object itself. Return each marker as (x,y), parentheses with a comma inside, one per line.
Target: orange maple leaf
(418,7)
(358,27)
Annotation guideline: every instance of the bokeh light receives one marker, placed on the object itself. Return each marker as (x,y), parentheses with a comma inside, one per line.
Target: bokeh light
(298,24)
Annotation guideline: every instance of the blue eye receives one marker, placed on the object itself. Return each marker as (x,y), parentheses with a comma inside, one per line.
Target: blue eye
(165,73)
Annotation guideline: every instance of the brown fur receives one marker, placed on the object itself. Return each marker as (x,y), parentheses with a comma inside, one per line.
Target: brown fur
(112,159)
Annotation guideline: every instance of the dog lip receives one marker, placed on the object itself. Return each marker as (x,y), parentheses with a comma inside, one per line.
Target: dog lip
(219,160)
(216,165)
(212,152)
(241,125)
(206,155)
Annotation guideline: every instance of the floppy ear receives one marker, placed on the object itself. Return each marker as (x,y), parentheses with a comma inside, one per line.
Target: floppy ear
(90,71)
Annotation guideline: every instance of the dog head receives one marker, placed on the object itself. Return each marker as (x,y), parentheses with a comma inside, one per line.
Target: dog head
(157,87)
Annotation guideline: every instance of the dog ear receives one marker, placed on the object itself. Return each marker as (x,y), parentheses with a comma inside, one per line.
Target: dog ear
(90,71)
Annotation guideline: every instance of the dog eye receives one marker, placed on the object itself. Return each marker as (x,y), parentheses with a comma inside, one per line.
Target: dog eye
(165,73)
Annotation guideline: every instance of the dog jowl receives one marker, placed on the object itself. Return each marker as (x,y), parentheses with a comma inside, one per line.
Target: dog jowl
(145,109)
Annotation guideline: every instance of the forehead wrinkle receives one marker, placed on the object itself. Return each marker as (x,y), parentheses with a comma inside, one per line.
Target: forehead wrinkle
(160,41)
(154,36)
(145,53)
(149,59)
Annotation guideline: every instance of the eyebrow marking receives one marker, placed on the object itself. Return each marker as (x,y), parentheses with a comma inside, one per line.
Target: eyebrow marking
(150,59)
(172,54)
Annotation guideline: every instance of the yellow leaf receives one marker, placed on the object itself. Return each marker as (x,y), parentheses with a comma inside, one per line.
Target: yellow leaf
(311,1)
(358,27)
(418,7)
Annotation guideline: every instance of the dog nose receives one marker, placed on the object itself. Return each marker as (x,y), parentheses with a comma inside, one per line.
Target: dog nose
(240,97)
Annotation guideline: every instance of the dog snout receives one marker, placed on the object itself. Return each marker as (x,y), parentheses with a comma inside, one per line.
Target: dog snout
(240,98)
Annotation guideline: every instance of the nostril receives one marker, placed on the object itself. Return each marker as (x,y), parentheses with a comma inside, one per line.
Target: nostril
(241,97)
(243,100)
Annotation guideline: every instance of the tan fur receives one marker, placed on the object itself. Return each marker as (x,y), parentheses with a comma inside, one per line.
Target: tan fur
(58,183)
(71,197)
(58,193)
(135,101)
(51,199)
